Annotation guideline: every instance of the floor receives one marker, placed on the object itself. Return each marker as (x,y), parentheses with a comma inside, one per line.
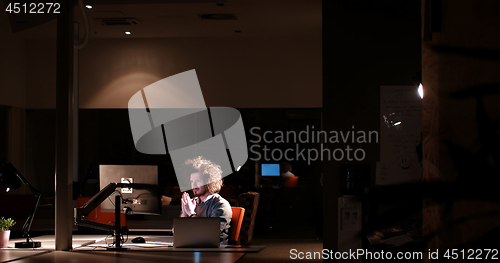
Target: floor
(278,250)
(123,257)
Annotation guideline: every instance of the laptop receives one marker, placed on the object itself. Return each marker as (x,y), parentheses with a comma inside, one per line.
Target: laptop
(197,232)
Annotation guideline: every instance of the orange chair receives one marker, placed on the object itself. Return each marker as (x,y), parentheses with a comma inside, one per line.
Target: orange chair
(236,221)
(100,217)
(291,181)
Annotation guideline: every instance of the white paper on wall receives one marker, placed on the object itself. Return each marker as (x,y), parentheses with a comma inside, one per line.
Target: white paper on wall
(400,135)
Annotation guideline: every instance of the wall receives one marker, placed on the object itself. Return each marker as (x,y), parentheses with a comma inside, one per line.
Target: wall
(40,149)
(12,65)
(12,97)
(41,74)
(234,72)
(13,72)
(461,109)
(367,44)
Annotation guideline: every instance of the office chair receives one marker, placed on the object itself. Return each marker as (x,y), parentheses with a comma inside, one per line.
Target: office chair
(236,221)
(250,201)
(289,195)
(291,181)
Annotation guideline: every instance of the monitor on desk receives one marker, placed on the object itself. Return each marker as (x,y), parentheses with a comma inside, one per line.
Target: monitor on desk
(142,200)
(270,169)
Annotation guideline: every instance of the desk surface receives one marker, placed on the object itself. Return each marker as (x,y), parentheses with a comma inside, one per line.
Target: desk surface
(91,248)
(162,243)
(153,242)
(122,257)
(48,241)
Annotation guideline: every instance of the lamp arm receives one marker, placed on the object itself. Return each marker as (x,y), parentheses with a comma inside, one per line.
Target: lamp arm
(97,199)
(29,221)
(82,222)
(25,182)
(92,204)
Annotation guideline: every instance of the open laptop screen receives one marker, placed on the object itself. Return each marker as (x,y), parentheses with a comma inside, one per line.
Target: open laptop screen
(197,232)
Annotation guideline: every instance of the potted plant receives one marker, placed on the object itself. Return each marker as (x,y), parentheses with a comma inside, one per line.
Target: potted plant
(5,225)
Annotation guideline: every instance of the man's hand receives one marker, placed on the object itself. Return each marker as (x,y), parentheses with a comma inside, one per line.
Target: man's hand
(187,205)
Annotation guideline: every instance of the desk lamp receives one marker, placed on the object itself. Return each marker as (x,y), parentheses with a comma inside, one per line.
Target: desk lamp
(12,179)
(81,212)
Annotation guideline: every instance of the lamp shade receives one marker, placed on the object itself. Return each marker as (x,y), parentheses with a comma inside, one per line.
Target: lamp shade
(8,175)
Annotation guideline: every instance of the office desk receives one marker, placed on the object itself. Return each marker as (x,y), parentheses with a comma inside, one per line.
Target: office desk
(8,255)
(161,243)
(124,257)
(91,248)
(49,243)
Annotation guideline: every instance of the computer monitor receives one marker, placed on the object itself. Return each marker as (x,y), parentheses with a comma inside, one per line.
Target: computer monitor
(140,200)
(270,169)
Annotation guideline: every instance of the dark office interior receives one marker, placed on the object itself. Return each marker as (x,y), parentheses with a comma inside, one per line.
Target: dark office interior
(286,66)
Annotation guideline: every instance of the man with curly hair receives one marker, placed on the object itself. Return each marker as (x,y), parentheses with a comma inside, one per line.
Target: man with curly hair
(206,182)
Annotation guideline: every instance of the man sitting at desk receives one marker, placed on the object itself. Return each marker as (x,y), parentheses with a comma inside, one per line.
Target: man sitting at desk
(207,201)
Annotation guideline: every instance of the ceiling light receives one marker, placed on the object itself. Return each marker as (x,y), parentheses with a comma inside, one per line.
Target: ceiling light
(127,33)
(421,91)
(88,6)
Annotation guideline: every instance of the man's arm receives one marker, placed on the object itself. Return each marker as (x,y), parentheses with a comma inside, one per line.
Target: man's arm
(222,209)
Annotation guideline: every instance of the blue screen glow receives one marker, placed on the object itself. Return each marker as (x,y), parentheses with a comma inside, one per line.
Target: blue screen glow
(270,169)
